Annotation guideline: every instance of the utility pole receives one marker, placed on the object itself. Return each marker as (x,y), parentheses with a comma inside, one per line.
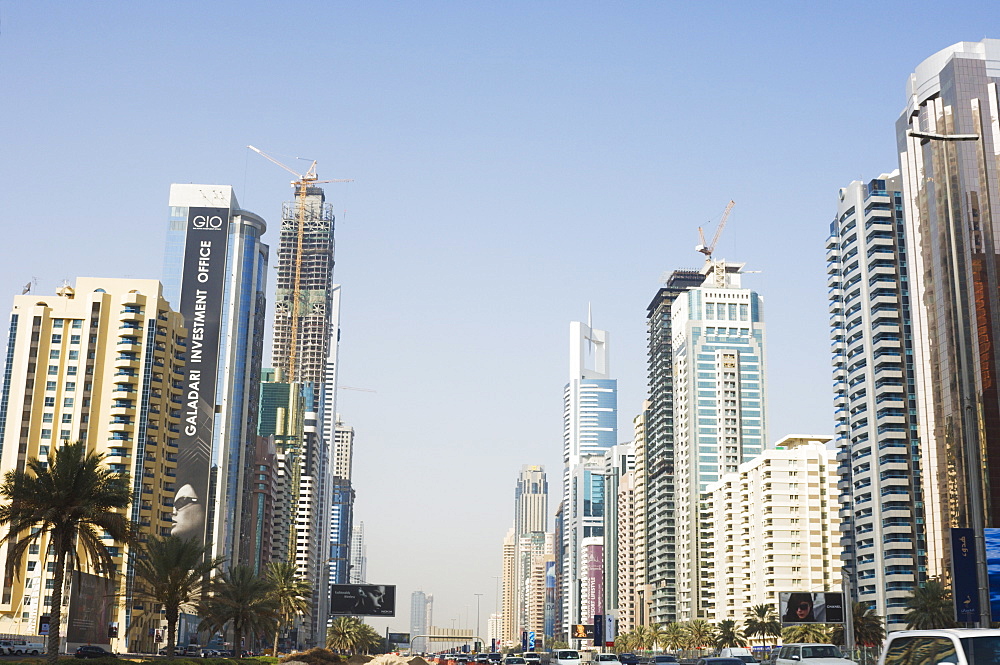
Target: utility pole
(478,596)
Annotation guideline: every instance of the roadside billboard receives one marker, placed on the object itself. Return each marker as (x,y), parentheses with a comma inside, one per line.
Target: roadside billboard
(797,607)
(91,602)
(371,600)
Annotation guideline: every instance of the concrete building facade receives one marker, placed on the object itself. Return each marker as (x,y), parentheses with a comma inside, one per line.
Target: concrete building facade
(875,398)
(99,362)
(776,527)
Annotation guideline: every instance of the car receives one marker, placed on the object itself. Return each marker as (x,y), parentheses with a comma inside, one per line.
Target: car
(607,658)
(810,654)
(628,659)
(87,651)
(956,646)
(664,659)
(482,658)
(514,660)
(719,661)
(566,657)
(496,658)
(532,658)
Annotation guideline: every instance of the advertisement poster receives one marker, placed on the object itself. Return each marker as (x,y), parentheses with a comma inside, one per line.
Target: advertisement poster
(808,607)
(371,600)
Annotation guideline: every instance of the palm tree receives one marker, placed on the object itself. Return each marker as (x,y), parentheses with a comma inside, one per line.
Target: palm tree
(657,636)
(930,606)
(242,599)
(172,571)
(674,636)
(761,621)
(344,634)
(642,636)
(700,633)
(368,638)
(729,635)
(869,628)
(806,632)
(291,592)
(71,502)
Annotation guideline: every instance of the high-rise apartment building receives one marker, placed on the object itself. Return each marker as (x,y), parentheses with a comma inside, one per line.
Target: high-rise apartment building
(776,527)
(719,419)
(215,275)
(590,429)
(619,527)
(531,501)
(948,143)
(99,362)
(421,619)
(342,503)
(875,397)
(658,459)
(634,590)
(508,603)
(359,555)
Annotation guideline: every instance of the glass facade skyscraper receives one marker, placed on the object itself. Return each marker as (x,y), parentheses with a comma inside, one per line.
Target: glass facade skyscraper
(590,429)
(215,274)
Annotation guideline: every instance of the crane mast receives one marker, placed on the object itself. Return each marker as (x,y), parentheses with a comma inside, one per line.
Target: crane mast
(301,184)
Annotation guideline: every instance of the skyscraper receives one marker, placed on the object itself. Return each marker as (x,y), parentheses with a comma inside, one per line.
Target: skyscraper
(421,619)
(947,142)
(590,428)
(875,399)
(531,501)
(304,351)
(342,504)
(657,499)
(100,363)
(359,555)
(719,419)
(215,274)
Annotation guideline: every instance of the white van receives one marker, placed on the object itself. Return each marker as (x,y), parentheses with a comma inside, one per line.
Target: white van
(29,648)
(742,653)
(959,646)
(566,657)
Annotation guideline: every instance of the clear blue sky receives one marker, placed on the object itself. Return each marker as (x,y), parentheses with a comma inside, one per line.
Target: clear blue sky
(513,162)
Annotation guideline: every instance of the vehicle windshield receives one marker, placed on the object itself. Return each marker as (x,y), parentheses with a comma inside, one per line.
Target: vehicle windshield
(980,650)
(607,656)
(822,651)
(568,655)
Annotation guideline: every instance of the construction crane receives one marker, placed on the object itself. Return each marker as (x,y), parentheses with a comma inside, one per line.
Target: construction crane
(301,184)
(707,249)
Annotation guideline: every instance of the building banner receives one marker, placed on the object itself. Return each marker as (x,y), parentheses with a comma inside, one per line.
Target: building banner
(202,289)
(993,570)
(372,600)
(965,581)
(91,601)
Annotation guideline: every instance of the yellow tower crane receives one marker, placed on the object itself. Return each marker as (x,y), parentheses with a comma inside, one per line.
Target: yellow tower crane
(301,184)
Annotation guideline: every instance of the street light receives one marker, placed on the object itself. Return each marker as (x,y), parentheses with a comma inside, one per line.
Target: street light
(478,596)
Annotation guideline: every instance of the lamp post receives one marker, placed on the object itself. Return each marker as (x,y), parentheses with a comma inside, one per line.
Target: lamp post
(972,445)
(478,596)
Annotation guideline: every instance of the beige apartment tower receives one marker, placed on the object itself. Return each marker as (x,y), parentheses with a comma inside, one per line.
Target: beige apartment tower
(98,362)
(776,527)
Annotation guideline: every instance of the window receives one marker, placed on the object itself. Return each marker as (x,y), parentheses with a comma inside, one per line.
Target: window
(33,548)
(67,402)
(53,355)
(57,323)
(53,370)
(74,355)
(64,434)
(78,324)
(50,401)
(57,339)
(66,418)
(46,434)
(43,450)
(31,566)
(71,370)
(50,385)
(70,386)
(74,339)
(47,417)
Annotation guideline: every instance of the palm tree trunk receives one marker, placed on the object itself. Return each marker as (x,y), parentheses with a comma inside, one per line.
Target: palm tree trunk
(172,616)
(55,610)
(277,633)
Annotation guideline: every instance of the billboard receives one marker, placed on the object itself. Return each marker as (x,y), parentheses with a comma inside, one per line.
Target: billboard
(369,600)
(965,580)
(582,631)
(91,602)
(203,280)
(398,638)
(807,607)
